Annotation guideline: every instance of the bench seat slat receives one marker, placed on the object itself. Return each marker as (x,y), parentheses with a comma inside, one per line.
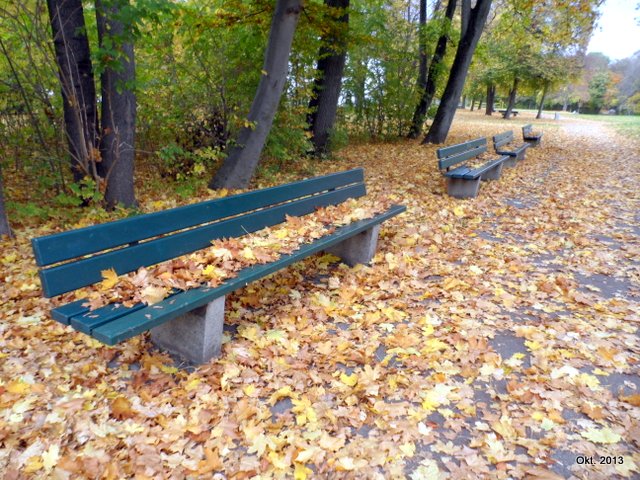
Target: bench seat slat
(87,321)
(63,246)
(477,172)
(64,313)
(459,172)
(152,316)
(514,151)
(71,276)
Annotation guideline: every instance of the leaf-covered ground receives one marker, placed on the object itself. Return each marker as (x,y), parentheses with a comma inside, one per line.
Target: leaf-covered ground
(495,337)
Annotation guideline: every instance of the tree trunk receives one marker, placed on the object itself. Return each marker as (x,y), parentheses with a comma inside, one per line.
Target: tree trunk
(544,94)
(434,72)
(117,143)
(480,104)
(491,96)
(326,87)
(512,98)
(77,83)
(473,23)
(473,103)
(5,229)
(243,158)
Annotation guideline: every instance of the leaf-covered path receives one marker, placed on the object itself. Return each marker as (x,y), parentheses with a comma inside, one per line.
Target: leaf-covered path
(490,338)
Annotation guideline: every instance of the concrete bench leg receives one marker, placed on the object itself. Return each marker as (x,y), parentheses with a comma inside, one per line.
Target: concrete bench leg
(357,249)
(195,336)
(494,173)
(461,188)
(521,154)
(511,162)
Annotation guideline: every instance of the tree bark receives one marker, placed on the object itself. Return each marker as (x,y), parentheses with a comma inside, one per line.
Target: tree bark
(243,158)
(118,119)
(77,84)
(545,87)
(491,96)
(432,78)
(326,87)
(512,98)
(5,229)
(473,23)
(480,104)
(473,103)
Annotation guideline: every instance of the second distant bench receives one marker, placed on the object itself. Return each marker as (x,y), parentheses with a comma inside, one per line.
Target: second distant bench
(474,164)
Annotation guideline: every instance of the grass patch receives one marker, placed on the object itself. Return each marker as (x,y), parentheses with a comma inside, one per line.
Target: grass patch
(623,124)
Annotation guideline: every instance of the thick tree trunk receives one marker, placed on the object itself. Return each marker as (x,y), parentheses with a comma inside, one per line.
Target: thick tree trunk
(512,98)
(326,87)
(118,119)
(472,25)
(491,96)
(434,72)
(5,229)
(473,103)
(242,159)
(544,94)
(76,79)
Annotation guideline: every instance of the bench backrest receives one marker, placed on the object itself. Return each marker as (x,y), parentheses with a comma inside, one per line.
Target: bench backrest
(449,156)
(502,139)
(526,130)
(125,245)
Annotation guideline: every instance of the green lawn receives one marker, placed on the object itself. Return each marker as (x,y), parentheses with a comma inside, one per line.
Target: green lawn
(624,124)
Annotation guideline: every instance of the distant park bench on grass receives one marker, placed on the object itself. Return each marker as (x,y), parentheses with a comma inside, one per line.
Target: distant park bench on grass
(503,145)
(504,113)
(531,137)
(189,323)
(464,180)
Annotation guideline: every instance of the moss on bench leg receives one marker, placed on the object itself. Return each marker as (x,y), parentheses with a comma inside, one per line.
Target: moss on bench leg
(357,249)
(462,188)
(195,336)
(493,174)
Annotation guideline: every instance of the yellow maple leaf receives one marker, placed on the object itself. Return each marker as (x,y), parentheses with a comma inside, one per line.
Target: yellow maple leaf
(110,278)
(605,435)
(50,457)
(350,380)
(458,211)
(301,471)
(151,294)
(18,387)
(248,253)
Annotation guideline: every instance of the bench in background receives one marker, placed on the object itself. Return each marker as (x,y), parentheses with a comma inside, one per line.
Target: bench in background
(502,145)
(529,137)
(189,323)
(504,113)
(464,180)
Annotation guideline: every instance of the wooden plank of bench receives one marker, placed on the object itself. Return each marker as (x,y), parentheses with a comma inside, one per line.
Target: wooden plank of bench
(445,152)
(71,276)
(477,172)
(58,247)
(64,313)
(154,315)
(87,321)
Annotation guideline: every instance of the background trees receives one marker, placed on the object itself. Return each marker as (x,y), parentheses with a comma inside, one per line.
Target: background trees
(72,94)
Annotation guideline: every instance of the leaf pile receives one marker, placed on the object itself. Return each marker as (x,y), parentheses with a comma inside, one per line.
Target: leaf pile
(225,258)
(494,337)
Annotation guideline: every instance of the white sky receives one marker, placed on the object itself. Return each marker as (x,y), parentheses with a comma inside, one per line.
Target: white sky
(617,33)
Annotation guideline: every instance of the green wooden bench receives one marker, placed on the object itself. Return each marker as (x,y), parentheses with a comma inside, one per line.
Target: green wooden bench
(529,137)
(501,144)
(464,180)
(189,323)
(504,113)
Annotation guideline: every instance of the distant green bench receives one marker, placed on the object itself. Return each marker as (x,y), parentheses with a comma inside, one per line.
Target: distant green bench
(189,323)
(504,113)
(464,180)
(529,137)
(502,144)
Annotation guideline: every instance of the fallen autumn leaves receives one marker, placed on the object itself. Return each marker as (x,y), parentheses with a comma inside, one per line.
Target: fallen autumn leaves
(490,338)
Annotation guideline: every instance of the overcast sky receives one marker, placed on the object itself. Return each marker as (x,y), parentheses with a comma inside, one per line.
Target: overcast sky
(617,34)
